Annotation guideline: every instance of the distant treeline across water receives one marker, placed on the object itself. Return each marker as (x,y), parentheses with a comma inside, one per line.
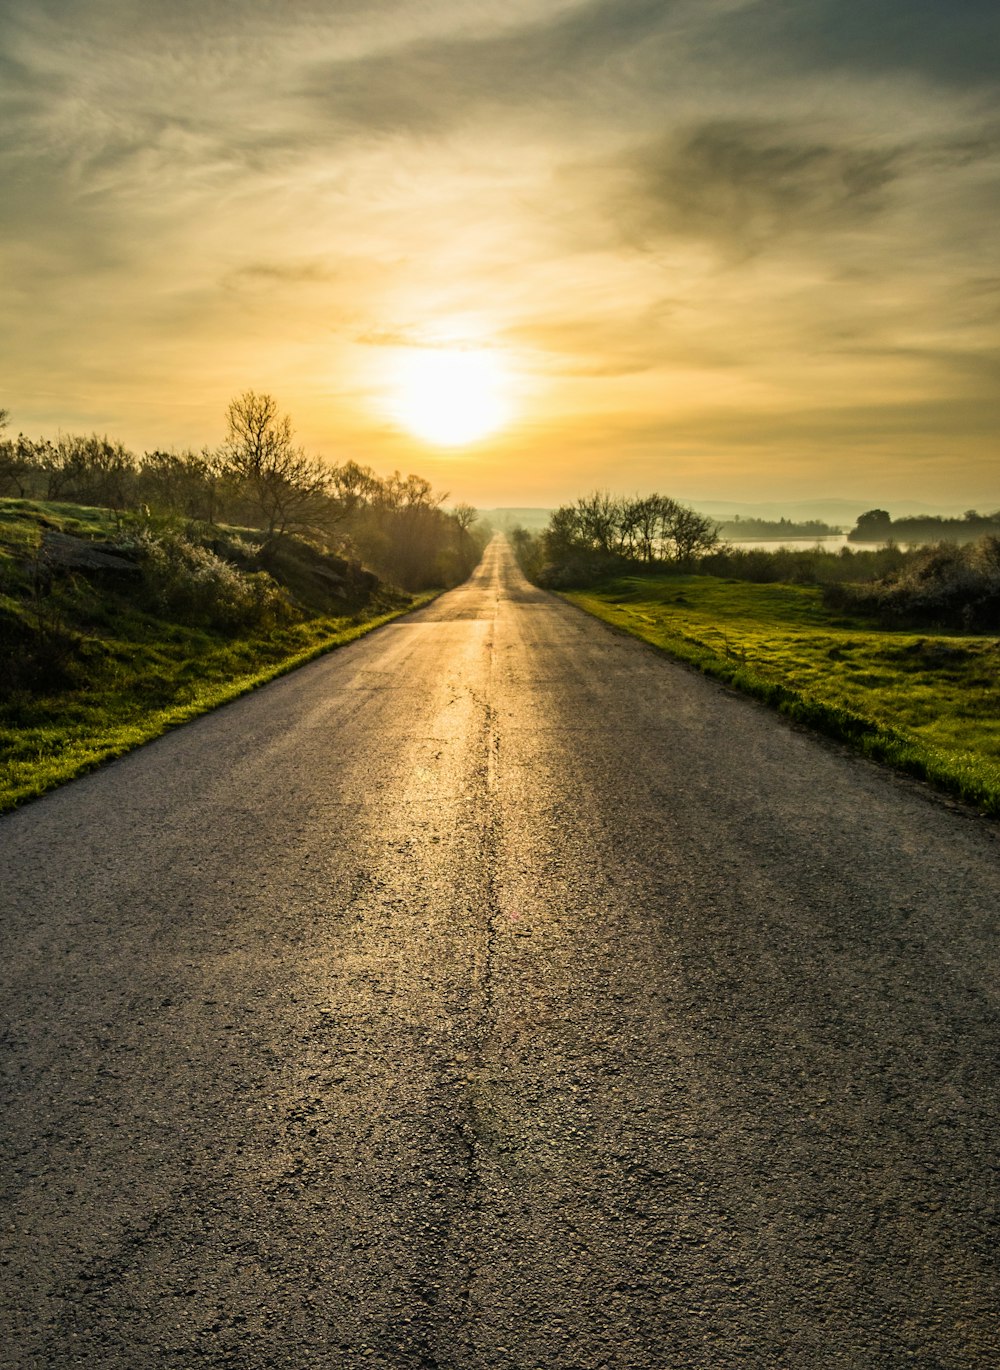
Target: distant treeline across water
(880,527)
(876,528)
(738,529)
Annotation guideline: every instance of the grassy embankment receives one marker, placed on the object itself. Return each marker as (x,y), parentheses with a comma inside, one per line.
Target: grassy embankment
(95,662)
(929,704)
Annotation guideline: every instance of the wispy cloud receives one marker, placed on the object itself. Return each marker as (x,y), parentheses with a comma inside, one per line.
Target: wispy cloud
(747,185)
(956,43)
(429,86)
(281,273)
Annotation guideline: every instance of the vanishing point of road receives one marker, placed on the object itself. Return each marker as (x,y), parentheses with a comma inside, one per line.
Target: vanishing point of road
(494,994)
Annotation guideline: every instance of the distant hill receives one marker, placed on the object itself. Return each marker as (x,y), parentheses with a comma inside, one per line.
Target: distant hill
(533,520)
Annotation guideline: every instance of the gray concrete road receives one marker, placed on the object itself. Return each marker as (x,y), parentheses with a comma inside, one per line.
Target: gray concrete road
(492,995)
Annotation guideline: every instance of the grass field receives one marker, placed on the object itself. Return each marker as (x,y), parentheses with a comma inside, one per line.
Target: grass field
(926,703)
(131,672)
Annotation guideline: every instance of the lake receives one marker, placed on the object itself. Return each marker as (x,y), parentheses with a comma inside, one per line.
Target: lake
(832,543)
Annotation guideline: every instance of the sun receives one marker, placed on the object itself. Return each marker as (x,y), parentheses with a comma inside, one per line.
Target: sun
(450,396)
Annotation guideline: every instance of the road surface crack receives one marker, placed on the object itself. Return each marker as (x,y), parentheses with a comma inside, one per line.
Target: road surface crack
(470,1129)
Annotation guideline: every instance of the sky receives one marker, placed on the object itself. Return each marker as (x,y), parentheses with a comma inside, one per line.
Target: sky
(724,249)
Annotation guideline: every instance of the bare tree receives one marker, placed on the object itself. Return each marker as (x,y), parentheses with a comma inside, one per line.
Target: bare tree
(465,515)
(691,533)
(22,466)
(283,488)
(463,518)
(191,483)
(650,513)
(354,486)
(12,465)
(564,535)
(599,520)
(411,492)
(91,469)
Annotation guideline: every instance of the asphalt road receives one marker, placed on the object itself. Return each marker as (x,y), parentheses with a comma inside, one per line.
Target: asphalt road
(495,995)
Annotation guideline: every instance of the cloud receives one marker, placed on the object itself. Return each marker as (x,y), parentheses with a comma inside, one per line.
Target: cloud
(621,60)
(746,185)
(962,372)
(270,194)
(596,348)
(955,43)
(631,342)
(430,85)
(254,274)
(416,338)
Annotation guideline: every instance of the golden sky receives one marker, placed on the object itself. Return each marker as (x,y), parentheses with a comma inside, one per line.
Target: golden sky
(727,249)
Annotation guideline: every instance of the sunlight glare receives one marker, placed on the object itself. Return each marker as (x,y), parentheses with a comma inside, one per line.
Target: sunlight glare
(450,396)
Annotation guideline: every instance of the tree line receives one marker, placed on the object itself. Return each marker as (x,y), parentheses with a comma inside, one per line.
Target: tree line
(259,478)
(601,532)
(877,525)
(742,527)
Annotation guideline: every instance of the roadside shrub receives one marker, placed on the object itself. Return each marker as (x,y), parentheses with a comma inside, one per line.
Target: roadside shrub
(188,581)
(317,581)
(528,551)
(803,565)
(570,567)
(949,587)
(580,571)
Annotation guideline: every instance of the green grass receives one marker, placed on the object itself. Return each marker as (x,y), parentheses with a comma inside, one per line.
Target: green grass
(150,688)
(84,519)
(926,703)
(131,674)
